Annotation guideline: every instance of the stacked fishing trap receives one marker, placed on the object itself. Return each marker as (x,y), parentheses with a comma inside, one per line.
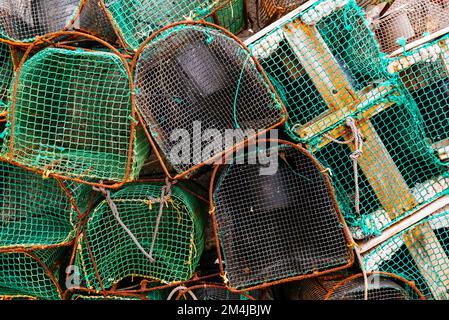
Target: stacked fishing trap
(224,149)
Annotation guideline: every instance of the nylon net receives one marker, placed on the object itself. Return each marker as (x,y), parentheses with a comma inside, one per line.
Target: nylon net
(410,20)
(231,16)
(6,69)
(353,288)
(419,254)
(212,293)
(36,212)
(136,20)
(24,20)
(324,58)
(94,20)
(32,273)
(73,117)
(278,226)
(423,72)
(108,248)
(192,79)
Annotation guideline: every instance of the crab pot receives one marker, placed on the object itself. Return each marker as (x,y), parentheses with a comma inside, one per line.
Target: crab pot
(277,226)
(271,10)
(397,171)
(419,254)
(31,274)
(106,246)
(423,72)
(324,57)
(380,287)
(231,15)
(24,20)
(153,295)
(199,81)
(212,292)
(36,212)
(6,69)
(136,20)
(407,21)
(94,20)
(81,123)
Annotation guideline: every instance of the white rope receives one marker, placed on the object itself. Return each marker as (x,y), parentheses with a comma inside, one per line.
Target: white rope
(179,288)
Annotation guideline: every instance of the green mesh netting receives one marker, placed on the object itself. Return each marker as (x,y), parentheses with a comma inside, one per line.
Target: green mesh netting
(36,212)
(22,274)
(323,58)
(72,117)
(178,244)
(11,294)
(419,254)
(24,20)
(231,16)
(397,170)
(152,295)
(424,73)
(135,20)
(6,70)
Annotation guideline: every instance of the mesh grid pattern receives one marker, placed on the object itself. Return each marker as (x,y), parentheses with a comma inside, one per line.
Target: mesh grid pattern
(277,226)
(95,21)
(410,20)
(136,20)
(319,61)
(6,69)
(36,211)
(215,293)
(424,73)
(271,10)
(419,254)
(195,74)
(22,274)
(24,20)
(179,242)
(231,16)
(72,117)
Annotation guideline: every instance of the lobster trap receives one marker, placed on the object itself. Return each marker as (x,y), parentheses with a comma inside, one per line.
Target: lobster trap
(6,69)
(72,117)
(381,286)
(94,20)
(31,274)
(424,73)
(270,10)
(36,212)
(213,292)
(195,82)
(320,58)
(230,15)
(419,253)
(147,234)
(278,226)
(407,21)
(22,21)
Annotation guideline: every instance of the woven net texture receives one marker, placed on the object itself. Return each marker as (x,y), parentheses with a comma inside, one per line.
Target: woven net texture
(73,117)
(278,226)
(94,20)
(271,10)
(231,15)
(108,248)
(6,69)
(193,78)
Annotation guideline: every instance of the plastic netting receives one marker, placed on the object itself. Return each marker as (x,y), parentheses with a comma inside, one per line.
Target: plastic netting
(6,70)
(153,295)
(419,254)
(424,73)
(136,20)
(24,20)
(11,294)
(381,288)
(231,16)
(72,117)
(320,60)
(93,19)
(108,248)
(410,20)
(31,273)
(193,79)
(212,293)
(36,212)
(280,226)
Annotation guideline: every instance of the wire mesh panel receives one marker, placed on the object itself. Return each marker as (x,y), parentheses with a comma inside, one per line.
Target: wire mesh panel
(33,273)
(36,212)
(72,117)
(6,70)
(380,287)
(192,79)
(424,72)
(410,20)
(423,260)
(322,58)
(231,15)
(280,226)
(24,20)
(178,237)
